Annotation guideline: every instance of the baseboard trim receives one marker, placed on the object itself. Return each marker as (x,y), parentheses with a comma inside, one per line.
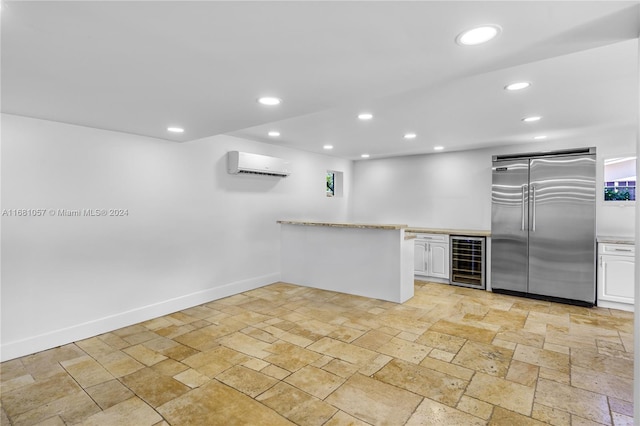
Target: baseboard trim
(55,338)
(616,305)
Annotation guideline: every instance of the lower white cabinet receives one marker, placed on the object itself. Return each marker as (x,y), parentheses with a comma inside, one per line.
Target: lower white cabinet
(616,273)
(431,255)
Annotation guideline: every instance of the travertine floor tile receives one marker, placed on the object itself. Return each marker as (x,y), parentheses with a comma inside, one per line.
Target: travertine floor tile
(509,320)
(374,402)
(169,367)
(542,358)
(290,357)
(191,378)
(246,380)
(343,419)
(615,386)
(622,420)
(484,357)
(86,371)
(344,351)
(475,407)
(132,411)
(11,370)
(52,421)
(218,404)
(502,417)
(523,373)
(341,368)
(109,393)
(406,350)
(314,381)
(39,393)
(296,405)
(621,407)
(375,365)
(523,337)
(551,415)
(433,413)
(448,368)
(71,408)
(373,339)
(286,354)
(584,403)
(595,361)
(423,381)
(154,388)
(16,383)
(502,393)
(466,331)
(445,342)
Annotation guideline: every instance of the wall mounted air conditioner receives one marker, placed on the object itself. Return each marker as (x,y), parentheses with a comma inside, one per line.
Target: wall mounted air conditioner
(247,163)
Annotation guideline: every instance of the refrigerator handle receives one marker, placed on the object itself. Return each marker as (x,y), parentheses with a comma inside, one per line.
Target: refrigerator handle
(523,205)
(533,208)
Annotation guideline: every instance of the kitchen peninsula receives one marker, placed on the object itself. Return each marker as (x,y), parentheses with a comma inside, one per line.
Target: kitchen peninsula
(368,260)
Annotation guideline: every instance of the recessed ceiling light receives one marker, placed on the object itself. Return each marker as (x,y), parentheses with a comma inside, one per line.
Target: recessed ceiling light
(327,147)
(365,156)
(438,148)
(175,129)
(532,118)
(517,86)
(274,133)
(478,35)
(365,116)
(410,135)
(269,100)
(540,137)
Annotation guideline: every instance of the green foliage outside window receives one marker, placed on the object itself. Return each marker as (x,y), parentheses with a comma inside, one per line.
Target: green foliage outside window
(330,184)
(618,194)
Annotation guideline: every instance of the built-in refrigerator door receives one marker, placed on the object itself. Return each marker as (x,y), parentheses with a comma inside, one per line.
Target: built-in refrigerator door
(509,224)
(562,227)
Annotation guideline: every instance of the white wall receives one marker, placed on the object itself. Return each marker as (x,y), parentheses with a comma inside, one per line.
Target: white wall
(193,232)
(453,190)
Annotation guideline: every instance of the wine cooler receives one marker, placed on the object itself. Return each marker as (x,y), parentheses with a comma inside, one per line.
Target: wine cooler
(467,261)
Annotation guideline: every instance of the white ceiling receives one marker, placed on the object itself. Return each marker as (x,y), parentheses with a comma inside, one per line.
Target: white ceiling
(139,67)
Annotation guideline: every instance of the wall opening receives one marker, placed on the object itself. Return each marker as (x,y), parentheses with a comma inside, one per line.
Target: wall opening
(334,180)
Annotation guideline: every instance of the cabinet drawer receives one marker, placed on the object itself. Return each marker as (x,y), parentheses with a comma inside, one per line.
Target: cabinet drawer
(433,237)
(617,249)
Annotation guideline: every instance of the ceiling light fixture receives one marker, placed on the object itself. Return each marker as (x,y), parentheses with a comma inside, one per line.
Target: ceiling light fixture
(438,148)
(410,135)
(540,137)
(269,100)
(274,133)
(365,156)
(517,86)
(531,119)
(175,129)
(365,116)
(327,147)
(478,35)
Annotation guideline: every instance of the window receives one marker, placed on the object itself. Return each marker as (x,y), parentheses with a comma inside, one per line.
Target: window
(334,183)
(331,180)
(620,179)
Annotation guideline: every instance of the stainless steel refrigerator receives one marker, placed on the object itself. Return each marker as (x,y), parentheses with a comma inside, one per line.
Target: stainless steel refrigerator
(543,226)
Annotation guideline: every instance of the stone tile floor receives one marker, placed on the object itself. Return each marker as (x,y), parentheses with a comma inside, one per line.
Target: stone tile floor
(285,354)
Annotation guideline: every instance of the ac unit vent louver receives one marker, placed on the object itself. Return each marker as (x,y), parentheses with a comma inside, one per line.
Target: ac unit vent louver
(256,164)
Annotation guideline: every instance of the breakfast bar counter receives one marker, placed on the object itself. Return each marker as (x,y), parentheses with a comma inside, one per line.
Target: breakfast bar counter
(371,260)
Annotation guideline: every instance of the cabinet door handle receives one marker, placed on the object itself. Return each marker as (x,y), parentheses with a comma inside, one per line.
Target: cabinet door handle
(619,249)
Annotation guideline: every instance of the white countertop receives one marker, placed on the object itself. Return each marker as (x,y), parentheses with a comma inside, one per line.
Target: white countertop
(617,239)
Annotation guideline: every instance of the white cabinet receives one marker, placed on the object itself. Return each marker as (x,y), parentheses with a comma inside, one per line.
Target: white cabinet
(615,274)
(431,255)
